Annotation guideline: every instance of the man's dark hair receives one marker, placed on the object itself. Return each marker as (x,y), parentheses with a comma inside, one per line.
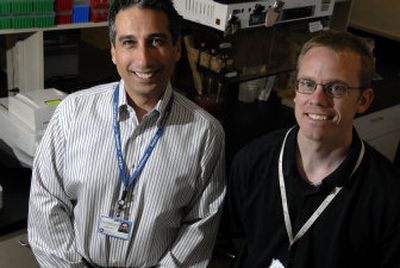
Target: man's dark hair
(166,6)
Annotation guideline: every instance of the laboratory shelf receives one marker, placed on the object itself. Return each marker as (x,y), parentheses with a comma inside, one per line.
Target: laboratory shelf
(55,28)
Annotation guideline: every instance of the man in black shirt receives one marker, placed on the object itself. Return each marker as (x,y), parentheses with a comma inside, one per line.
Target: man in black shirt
(316,195)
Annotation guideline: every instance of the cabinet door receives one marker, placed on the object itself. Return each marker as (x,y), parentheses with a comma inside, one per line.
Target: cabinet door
(12,254)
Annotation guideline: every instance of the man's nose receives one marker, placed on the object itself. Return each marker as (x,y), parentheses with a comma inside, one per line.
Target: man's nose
(319,95)
(320,89)
(143,55)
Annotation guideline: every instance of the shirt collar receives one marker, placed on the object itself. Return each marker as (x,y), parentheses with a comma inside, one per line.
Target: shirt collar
(158,109)
(341,175)
(338,177)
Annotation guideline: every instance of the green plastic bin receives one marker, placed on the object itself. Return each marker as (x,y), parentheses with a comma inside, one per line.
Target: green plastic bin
(43,6)
(22,21)
(21,6)
(44,20)
(5,7)
(5,22)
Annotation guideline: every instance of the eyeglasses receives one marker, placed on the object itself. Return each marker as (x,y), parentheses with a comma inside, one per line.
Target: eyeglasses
(332,89)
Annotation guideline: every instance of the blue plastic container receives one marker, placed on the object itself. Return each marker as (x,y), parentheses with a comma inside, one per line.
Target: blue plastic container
(80,13)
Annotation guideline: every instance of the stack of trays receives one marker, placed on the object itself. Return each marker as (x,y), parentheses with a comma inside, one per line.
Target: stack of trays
(99,10)
(80,11)
(63,9)
(18,14)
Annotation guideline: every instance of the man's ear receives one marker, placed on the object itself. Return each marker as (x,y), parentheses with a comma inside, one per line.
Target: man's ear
(366,98)
(112,53)
(178,49)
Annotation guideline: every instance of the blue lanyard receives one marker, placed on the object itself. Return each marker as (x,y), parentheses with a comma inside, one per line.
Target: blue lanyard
(147,153)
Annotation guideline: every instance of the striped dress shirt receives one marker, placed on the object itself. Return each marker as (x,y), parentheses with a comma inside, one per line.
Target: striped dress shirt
(175,203)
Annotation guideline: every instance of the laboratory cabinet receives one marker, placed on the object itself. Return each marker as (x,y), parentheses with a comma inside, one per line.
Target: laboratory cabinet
(12,252)
(13,217)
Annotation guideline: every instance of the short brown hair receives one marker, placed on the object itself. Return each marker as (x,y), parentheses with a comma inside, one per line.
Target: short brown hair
(340,41)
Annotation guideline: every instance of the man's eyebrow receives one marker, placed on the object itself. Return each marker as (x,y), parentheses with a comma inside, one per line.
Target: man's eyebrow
(128,36)
(337,81)
(157,35)
(333,81)
(150,36)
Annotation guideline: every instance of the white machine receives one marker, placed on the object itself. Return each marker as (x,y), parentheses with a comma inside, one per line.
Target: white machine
(24,118)
(223,15)
(381,130)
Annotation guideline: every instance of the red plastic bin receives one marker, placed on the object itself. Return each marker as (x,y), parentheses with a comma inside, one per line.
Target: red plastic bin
(62,5)
(64,17)
(103,4)
(97,15)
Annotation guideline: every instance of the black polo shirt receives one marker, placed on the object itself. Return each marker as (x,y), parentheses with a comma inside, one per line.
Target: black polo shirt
(359,228)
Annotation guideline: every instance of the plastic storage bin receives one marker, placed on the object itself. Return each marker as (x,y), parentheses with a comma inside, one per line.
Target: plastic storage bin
(63,9)
(22,21)
(80,2)
(44,20)
(64,17)
(5,22)
(5,7)
(80,14)
(99,4)
(99,10)
(21,6)
(97,15)
(62,5)
(43,6)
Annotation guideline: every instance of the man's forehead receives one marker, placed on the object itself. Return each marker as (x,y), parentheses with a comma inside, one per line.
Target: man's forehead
(134,20)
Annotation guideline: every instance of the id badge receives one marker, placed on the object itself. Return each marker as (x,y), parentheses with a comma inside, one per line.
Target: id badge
(115,227)
(275,263)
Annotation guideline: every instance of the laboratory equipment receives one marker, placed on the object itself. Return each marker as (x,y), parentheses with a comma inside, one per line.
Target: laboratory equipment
(231,16)
(381,129)
(24,118)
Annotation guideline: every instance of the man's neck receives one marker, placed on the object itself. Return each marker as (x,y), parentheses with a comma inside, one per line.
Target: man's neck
(316,160)
(142,104)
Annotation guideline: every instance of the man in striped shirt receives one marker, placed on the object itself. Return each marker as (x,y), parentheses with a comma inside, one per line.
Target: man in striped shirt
(130,174)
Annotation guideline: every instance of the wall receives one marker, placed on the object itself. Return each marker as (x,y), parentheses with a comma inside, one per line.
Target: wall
(379,17)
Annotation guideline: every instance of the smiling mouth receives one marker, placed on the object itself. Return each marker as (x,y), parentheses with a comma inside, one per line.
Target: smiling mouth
(145,75)
(319,117)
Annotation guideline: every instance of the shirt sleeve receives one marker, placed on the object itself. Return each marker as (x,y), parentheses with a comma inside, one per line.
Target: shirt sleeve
(50,228)
(232,220)
(196,238)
